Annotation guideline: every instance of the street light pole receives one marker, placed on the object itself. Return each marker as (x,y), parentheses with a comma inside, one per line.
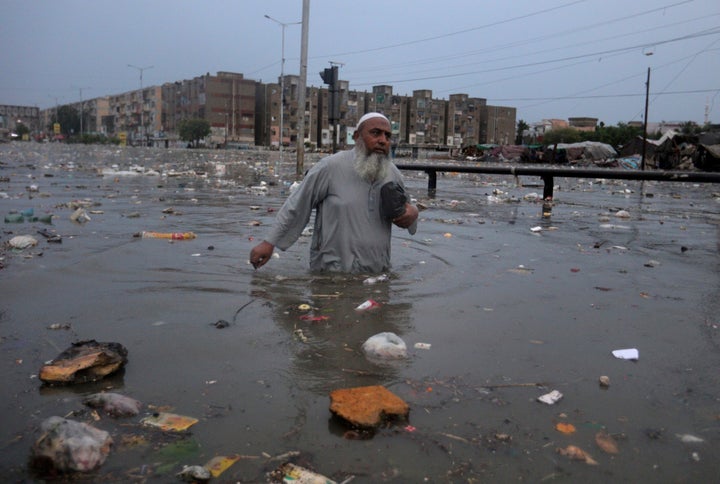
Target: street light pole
(142,99)
(80,89)
(282,78)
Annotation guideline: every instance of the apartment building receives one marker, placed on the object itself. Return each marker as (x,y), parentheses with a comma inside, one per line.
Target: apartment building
(11,116)
(463,120)
(136,113)
(497,125)
(583,124)
(246,111)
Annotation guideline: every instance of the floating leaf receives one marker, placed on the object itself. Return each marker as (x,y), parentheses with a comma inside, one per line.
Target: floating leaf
(565,428)
(606,442)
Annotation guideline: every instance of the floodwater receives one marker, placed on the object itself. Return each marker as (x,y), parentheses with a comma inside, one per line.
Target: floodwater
(514,300)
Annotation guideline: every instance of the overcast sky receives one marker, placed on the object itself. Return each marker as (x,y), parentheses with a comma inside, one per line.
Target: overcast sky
(547,58)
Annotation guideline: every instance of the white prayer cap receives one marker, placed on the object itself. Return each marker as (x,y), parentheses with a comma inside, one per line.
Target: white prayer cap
(370,116)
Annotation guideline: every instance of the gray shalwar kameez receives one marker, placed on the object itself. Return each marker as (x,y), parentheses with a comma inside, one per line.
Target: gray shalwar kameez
(350,234)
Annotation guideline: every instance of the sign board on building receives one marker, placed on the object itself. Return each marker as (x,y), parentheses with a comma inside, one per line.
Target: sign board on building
(56,128)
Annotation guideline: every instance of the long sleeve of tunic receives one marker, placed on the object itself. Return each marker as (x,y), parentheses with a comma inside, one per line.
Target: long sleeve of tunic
(350,234)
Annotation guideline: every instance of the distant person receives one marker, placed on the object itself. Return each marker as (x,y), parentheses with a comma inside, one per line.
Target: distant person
(357,195)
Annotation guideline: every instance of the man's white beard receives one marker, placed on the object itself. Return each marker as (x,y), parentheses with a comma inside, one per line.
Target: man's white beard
(371,167)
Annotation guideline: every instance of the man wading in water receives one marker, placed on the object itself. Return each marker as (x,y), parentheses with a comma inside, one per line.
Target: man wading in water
(358,195)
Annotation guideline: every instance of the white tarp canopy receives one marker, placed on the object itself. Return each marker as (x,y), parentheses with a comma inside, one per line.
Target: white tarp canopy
(591,150)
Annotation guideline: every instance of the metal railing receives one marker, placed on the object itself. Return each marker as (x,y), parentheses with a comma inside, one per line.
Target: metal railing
(549,174)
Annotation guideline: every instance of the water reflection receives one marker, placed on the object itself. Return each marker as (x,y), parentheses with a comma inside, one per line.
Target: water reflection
(319,313)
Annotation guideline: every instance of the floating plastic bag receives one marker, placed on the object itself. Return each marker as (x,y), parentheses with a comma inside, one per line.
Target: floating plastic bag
(114,404)
(23,242)
(67,445)
(385,346)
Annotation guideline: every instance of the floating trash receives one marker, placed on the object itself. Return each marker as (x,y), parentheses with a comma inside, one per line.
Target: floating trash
(169,422)
(376,279)
(194,474)
(84,361)
(114,404)
(367,406)
(220,463)
(627,354)
(290,472)
(385,346)
(21,242)
(67,445)
(576,453)
(550,398)
(565,428)
(369,304)
(606,442)
(689,439)
(167,235)
(80,216)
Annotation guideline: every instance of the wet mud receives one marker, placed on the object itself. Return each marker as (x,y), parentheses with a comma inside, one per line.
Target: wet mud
(508,298)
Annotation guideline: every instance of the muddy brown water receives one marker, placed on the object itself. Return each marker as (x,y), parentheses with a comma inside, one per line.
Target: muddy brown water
(509,313)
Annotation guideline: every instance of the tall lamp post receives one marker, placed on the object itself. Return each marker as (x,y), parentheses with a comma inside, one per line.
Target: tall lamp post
(282,78)
(142,99)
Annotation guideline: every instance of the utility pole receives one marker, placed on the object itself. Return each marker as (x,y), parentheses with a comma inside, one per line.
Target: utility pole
(80,89)
(645,124)
(142,100)
(302,86)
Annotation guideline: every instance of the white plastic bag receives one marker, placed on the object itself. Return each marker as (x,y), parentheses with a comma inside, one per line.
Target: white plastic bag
(385,346)
(67,445)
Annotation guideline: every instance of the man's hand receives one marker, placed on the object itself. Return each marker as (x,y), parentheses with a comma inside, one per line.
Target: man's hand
(408,217)
(261,253)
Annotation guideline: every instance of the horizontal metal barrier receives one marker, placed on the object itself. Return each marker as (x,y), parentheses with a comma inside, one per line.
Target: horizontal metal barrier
(548,174)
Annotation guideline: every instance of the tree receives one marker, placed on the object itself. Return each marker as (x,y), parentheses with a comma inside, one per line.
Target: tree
(21,129)
(522,126)
(690,127)
(68,118)
(193,130)
(614,135)
(562,135)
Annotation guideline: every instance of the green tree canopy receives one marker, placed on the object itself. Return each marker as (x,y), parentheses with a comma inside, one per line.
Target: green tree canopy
(562,135)
(68,118)
(615,136)
(193,130)
(21,129)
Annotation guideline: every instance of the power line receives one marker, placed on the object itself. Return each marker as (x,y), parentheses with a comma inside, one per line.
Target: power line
(602,96)
(712,31)
(451,34)
(535,40)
